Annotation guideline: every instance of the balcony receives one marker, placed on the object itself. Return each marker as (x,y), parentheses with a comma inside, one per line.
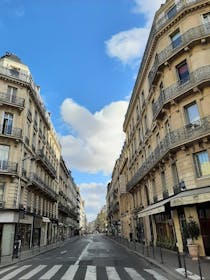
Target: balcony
(41,186)
(46,163)
(26,78)
(8,167)
(172,141)
(179,89)
(8,99)
(186,39)
(67,210)
(180,6)
(13,133)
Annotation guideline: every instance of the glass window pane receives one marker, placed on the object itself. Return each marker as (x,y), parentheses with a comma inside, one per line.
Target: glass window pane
(1,191)
(203,163)
(183,72)
(172,12)
(192,113)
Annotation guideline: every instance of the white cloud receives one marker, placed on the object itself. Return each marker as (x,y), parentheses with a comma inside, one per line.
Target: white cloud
(98,137)
(94,196)
(128,46)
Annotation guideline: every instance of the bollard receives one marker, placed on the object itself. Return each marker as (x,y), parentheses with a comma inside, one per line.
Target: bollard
(179,258)
(185,268)
(161,255)
(199,268)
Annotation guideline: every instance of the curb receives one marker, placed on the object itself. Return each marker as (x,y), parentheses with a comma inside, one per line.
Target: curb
(59,245)
(162,267)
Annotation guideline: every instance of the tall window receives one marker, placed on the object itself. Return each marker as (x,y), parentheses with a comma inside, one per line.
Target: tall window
(163,180)
(4,154)
(145,124)
(183,73)
(172,12)
(142,99)
(192,113)
(12,92)
(174,173)
(2,186)
(202,163)
(206,18)
(176,39)
(7,123)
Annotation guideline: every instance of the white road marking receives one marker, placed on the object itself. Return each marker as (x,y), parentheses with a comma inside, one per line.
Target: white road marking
(63,252)
(50,273)
(90,273)
(32,272)
(133,274)
(112,273)
(7,269)
(156,275)
(82,254)
(190,275)
(15,272)
(70,273)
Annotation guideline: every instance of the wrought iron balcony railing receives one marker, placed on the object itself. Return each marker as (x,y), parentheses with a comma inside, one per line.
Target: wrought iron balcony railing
(42,186)
(46,163)
(67,210)
(8,167)
(24,77)
(180,5)
(172,140)
(13,100)
(195,78)
(185,39)
(12,133)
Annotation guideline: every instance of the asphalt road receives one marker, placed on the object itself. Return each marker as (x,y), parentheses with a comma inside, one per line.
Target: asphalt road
(93,257)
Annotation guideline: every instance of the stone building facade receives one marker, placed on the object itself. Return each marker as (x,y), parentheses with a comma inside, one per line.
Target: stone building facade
(167,126)
(30,160)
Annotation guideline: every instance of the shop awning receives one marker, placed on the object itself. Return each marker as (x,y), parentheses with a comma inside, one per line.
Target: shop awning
(156,208)
(45,220)
(192,196)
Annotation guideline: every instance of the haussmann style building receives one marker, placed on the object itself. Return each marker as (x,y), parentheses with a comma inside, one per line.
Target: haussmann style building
(37,194)
(165,162)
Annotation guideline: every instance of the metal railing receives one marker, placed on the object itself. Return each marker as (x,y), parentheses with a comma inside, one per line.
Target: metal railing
(8,166)
(196,77)
(192,34)
(70,212)
(14,132)
(172,140)
(47,163)
(37,181)
(14,100)
(23,76)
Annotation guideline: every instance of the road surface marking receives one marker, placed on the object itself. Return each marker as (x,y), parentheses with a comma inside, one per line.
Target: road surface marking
(50,273)
(7,269)
(190,275)
(83,253)
(156,275)
(32,272)
(90,273)
(133,274)
(112,273)
(70,273)
(15,272)
(63,252)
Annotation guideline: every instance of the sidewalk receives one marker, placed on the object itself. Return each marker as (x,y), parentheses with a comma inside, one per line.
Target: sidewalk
(170,261)
(24,255)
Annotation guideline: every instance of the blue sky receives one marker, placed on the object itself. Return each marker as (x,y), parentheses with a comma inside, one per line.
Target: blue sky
(85,56)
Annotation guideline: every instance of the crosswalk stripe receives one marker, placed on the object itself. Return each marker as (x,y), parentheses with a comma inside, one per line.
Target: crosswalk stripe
(156,275)
(32,272)
(50,273)
(90,272)
(7,269)
(133,274)
(15,272)
(112,273)
(70,273)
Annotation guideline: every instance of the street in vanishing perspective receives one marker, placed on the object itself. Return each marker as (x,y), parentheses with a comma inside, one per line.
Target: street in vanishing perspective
(87,258)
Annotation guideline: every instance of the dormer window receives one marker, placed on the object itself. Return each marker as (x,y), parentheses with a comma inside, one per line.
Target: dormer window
(172,12)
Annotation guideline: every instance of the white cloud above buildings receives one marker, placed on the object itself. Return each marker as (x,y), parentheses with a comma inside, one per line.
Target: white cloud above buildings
(95,140)
(128,46)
